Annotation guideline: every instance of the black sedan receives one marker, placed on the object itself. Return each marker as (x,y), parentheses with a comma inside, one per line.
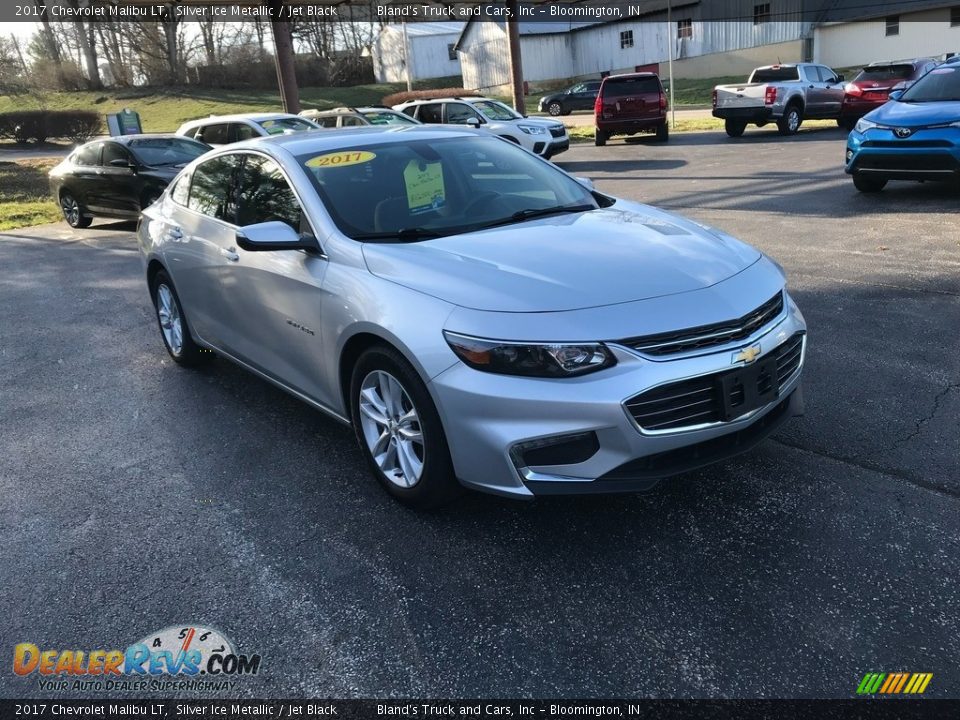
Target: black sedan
(120,176)
(581,96)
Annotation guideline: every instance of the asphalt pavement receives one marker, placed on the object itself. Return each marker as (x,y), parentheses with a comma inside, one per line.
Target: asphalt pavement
(138,495)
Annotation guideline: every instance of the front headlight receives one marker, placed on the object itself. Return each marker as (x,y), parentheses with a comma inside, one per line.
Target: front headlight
(863,125)
(549,360)
(532,129)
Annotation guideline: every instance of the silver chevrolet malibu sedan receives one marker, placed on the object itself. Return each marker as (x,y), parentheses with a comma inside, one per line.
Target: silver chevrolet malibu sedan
(480,317)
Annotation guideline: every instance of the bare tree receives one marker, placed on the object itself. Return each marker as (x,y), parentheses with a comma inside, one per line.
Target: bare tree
(86,40)
(50,41)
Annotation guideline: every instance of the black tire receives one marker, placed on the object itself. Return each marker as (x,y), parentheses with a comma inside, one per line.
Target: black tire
(189,354)
(599,137)
(734,128)
(437,484)
(149,198)
(791,121)
(868,184)
(555,109)
(663,133)
(73,211)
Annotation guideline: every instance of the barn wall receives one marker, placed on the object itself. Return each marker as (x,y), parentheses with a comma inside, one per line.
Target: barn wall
(922,34)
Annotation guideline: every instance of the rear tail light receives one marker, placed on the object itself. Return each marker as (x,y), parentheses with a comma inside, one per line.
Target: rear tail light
(598,106)
(852,89)
(663,102)
(770,96)
(714,98)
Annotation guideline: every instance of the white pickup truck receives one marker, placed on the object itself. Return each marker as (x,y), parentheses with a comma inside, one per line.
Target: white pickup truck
(784,94)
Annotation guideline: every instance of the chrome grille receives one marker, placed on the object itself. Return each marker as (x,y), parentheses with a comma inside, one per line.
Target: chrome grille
(699,400)
(706,336)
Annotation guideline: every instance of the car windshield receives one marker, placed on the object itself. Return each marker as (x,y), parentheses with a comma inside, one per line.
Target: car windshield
(423,188)
(279,126)
(941,84)
(166,151)
(775,74)
(884,73)
(493,110)
(386,117)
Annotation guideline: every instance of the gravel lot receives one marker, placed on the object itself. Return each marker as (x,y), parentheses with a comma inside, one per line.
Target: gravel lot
(138,495)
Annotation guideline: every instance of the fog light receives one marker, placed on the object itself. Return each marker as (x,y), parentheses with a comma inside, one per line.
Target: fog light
(555,450)
(849,155)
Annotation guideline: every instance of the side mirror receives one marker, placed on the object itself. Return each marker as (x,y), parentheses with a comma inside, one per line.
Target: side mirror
(274,235)
(840,78)
(896,94)
(121,163)
(472,122)
(586,182)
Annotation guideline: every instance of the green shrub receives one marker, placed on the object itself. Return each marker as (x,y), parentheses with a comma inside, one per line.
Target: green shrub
(42,125)
(400,97)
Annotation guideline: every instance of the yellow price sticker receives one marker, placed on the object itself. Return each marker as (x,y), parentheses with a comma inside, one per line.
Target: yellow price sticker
(341,159)
(425,190)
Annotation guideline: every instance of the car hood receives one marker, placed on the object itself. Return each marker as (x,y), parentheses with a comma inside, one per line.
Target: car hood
(916,114)
(608,256)
(536,121)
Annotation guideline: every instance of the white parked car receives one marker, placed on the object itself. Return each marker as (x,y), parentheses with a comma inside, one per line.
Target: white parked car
(218,130)
(538,135)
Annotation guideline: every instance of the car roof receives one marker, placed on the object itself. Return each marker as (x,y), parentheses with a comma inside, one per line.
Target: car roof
(256,117)
(334,139)
(911,61)
(630,75)
(448,98)
(125,139)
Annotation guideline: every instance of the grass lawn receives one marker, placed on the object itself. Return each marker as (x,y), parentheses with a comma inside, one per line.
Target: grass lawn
(24,194)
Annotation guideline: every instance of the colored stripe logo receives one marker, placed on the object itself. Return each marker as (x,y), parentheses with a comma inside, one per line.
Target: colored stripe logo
(894,683)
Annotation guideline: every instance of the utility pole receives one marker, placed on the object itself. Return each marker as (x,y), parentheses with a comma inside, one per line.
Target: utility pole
(516,64)
(670,41)
(407,60)
(283,56)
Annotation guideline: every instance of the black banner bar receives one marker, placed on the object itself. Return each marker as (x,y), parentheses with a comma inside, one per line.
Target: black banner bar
(866,709)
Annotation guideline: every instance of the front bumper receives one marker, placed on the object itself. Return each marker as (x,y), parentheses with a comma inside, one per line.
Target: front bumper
(927,154)
(487,416)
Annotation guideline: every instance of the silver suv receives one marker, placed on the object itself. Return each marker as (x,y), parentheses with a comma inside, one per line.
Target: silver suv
(538,135)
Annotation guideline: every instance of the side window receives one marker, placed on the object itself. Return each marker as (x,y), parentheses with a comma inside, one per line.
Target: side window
(579,88)
(459,113)
(242,131)
(264,195)
(88,156)
(411,111)
(827,75)
(181,191)
(810,74)
(214,134)
(350,121)
(191,132)
(113,151)
(210,189)
(430,113)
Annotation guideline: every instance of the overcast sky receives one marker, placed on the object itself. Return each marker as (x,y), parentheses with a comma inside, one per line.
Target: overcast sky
(21,29)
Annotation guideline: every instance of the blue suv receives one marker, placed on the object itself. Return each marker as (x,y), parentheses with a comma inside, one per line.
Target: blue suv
(915,136)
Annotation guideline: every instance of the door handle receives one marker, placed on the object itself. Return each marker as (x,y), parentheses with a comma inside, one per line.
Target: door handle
(230,254)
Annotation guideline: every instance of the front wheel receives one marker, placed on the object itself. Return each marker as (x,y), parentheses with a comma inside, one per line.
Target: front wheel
(599,138)
(555,109)
(399,430)
(663,133)
(72,212)
(790,123)
(734,128)
(868,184)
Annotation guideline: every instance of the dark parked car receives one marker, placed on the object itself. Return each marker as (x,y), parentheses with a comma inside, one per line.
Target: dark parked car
(581,96)
(120,176)
(628,104)
(871,87)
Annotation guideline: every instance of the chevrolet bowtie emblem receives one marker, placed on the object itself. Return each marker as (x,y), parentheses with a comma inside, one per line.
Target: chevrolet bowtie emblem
(747,355)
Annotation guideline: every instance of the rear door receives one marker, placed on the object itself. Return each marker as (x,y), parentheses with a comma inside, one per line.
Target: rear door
(631,98)
(430,113)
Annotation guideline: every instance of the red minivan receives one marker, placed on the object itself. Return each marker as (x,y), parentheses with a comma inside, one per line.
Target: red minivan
(629,104)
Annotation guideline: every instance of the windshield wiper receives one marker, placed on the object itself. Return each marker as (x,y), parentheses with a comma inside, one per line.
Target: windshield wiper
(402,235)
(531,213)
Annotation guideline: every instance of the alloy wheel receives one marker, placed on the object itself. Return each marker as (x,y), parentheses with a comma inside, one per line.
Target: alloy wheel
(391,428)
(170,323)
(71,209)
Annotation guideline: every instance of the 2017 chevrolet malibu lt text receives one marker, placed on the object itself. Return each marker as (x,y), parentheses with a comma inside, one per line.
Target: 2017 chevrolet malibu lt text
(480,317)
